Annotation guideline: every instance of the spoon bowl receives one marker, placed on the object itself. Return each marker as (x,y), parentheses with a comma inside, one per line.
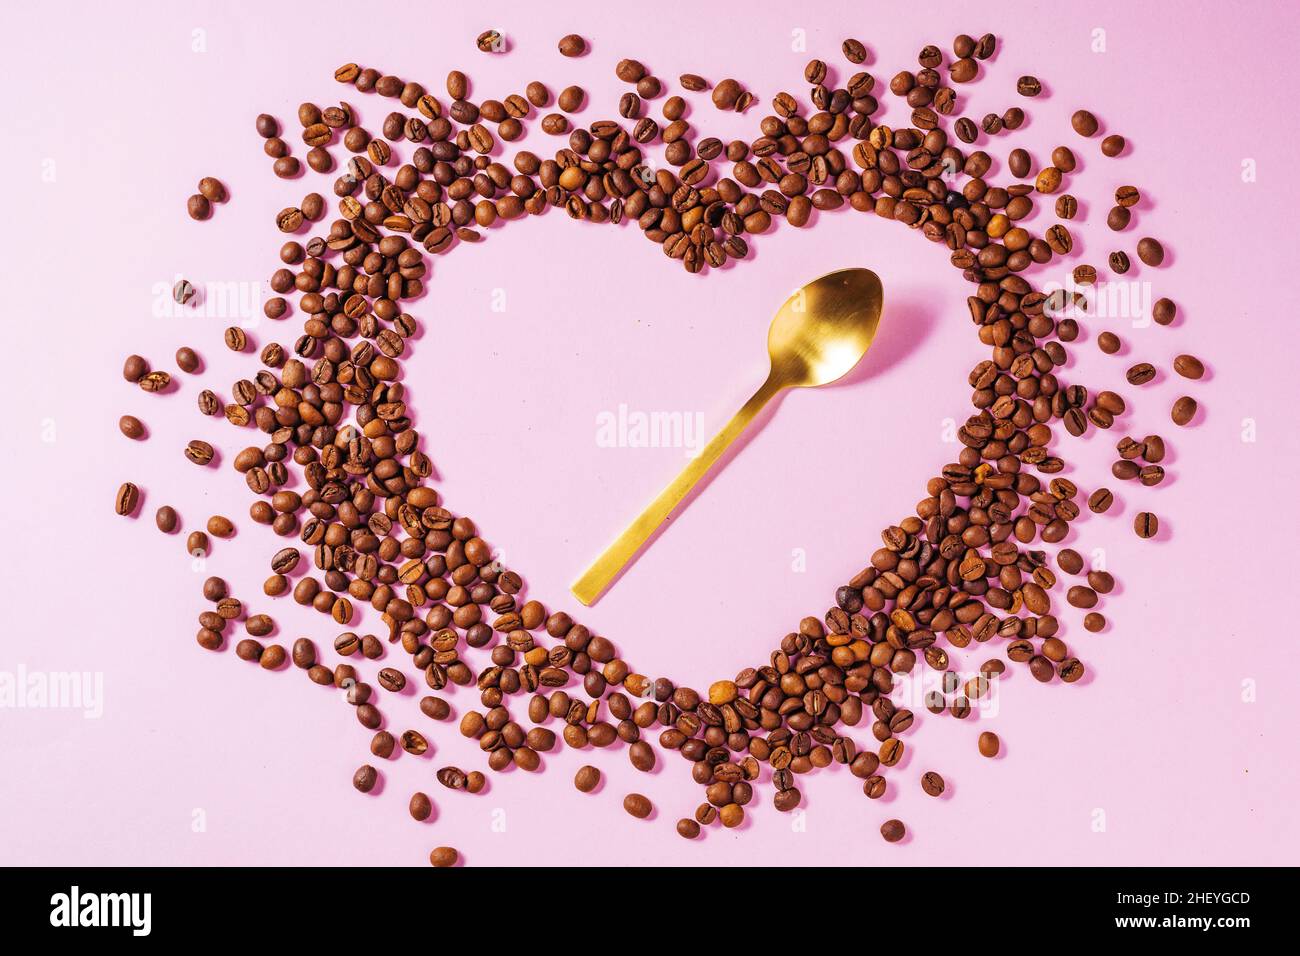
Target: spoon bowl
(822,331)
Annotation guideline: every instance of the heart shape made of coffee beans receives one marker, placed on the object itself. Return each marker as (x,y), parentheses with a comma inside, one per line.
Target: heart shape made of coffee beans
(959,570)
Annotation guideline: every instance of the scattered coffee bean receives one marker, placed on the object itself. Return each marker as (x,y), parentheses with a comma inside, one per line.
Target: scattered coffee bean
(421,807)
(1184,410)
(444,856)
(637,805)
(572,45)
(166,519)
(131,427)
(893,830)
(989,744)
(932,783)
(1189,366)
(587,779)
(1146,524)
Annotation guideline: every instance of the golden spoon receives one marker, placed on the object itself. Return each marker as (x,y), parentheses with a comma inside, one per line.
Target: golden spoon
(817,336)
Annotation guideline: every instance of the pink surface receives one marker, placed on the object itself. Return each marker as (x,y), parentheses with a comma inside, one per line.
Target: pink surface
(1178,748)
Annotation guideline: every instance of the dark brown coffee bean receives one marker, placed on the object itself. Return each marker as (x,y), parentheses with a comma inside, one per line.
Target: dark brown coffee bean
(1109,343)
(572,45)
(131,427)
(1150,251)
(491,41)
(365,778)
(1146,524)
(166,519)
(1069,561)
(932,783)
(688,828)
(1189,366)
(1153,448)
(420,807)
(198,207)
(1141,373)
(587,779)
(1100,501)
(1184,410)
(989,744)
(638,805)
(128,498)
(893,830)
(444,856)
(199,452)
(1029,86)
(1164,311)
(155,381)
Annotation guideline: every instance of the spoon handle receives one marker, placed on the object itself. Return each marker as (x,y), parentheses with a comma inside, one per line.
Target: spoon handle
(607,567)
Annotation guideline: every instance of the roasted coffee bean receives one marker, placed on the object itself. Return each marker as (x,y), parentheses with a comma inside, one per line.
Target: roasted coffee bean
(572,45)
(1150,251)
(491,41)
(131,427)
(587,779)
(166,519)
(365,778)
(893,830)
(1146,524)
(1184,410)
(688,828)
(198,207)
(1029,86)
(1100,501)
(128,498)
(420,806)
(1109,343)
(1140,373)
(444,856)
(1164,311)
(1189,366)
(638,805)
(1112,145)
(989,744)
(199,452)
(932,783)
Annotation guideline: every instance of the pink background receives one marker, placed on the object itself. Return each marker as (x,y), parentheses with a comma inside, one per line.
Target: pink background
(112,119)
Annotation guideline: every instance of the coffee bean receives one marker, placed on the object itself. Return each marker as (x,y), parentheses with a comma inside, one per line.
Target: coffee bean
(854,51)
(932,783)
(1067,207)
(1184,410)
(893,830)
(1094,622)
(1112,145)
(491,41)
(414,742)
(392,680)
(1069,561)
(198,207)
(1084,123)
(128,498)
(989,744)
(220,527)
(1029,86)
(637,805)
(1146,524)
(1164,311)
(444,856)
(572,45)
(1150,251)
(421,807)
(166,519)
(212,190)
(587,779)
(1119,263)
(688,828)
(131,427)
(1099,501)
(1118,218)
(1189,366)
(1109,343)
(199,452)
(1127,196)
(1141,373)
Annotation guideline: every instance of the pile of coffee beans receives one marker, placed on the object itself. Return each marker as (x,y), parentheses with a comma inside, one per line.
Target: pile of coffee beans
(965,567)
